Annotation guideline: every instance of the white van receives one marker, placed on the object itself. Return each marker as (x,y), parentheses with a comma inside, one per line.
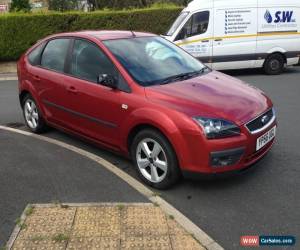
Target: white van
(236,34)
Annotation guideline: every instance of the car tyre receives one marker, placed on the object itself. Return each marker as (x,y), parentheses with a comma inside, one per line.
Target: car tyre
(274,64)
(155,159)
(32,115)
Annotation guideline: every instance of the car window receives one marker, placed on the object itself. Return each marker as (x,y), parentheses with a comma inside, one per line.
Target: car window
(54,54)
(200,23)
(88,61)
(196,25)
(35,55)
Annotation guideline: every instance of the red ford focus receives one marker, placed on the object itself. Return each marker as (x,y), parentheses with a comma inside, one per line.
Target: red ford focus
(141,95)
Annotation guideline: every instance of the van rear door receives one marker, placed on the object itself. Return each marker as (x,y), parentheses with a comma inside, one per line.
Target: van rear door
(234,42)
(195,35)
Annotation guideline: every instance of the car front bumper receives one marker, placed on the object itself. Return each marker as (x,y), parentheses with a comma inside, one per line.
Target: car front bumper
(240,151)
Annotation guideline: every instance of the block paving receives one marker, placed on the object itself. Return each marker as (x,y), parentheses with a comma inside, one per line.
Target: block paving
(109,227)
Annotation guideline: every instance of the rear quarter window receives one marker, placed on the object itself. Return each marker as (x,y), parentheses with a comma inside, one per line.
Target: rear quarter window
(34,57)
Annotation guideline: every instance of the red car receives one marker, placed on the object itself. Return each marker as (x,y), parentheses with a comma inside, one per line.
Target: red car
(138,94)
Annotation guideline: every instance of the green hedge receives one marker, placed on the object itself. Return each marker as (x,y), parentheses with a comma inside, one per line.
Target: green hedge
(19,31)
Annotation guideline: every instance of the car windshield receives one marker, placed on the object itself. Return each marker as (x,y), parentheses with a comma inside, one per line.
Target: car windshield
(177,23)
(154,60)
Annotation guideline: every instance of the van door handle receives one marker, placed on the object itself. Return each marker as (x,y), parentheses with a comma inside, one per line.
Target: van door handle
(218,40)
(72,89)
(205,41)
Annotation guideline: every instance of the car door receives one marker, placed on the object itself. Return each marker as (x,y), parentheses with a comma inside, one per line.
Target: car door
(96,109)
(195,36)
(49,79)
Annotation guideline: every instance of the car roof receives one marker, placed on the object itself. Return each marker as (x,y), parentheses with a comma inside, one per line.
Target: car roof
(106,34)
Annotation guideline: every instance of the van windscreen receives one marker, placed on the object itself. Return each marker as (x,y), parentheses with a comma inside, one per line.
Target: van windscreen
(177,23)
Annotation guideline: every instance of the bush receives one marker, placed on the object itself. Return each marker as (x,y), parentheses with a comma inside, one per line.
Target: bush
(127,4)
(20,31)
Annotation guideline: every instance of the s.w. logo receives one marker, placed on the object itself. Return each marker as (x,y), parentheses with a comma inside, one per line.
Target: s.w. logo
(268,16)
(280,17)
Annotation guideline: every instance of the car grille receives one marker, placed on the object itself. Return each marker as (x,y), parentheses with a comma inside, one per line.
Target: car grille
(261,122)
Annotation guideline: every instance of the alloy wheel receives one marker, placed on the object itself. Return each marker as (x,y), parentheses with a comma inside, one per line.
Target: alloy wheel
(151,160)
(31,114)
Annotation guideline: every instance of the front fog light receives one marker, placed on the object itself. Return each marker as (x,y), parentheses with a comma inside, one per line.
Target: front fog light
(226,158)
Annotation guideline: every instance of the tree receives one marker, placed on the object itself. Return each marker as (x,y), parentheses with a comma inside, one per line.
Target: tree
(93,4)
(20,5)
(63,5)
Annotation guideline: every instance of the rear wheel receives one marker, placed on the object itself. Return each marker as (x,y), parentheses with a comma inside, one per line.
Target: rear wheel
(32,115)
(274,64)
(155,159)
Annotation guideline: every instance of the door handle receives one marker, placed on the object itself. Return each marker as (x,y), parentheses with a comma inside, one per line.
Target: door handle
(205,41)
(218,40)
(37,78)
(72,89)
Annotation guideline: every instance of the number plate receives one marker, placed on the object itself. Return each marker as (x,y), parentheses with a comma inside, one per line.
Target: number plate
(265,138)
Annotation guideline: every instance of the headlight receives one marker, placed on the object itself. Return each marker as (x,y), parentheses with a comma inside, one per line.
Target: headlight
(217,128)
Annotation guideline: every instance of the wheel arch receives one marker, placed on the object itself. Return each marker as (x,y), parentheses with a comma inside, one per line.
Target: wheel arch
(28,89)
(22,95)
(139,127)
(279,52)
(172,125)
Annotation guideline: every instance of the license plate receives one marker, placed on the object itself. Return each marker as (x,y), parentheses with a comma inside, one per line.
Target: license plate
(265,138)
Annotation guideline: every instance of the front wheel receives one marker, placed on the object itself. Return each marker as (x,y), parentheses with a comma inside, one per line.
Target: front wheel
(155,159)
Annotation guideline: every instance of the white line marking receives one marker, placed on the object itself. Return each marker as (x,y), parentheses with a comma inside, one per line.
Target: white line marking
(186,223)
(9,78)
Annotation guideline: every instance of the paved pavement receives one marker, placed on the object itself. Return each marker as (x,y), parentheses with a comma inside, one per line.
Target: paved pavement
(262,201)
(8,67)
(140,226)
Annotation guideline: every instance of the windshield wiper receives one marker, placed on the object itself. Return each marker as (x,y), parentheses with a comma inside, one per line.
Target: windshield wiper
(183,76)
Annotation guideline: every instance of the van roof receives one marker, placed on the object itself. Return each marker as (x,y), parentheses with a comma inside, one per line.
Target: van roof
(208,4)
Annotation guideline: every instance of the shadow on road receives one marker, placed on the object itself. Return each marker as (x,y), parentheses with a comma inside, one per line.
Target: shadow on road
(257,72)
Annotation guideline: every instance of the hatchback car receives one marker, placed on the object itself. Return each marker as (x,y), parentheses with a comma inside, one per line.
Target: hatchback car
(141,95)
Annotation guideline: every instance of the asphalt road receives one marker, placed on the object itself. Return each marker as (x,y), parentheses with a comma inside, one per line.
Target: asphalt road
(263,201)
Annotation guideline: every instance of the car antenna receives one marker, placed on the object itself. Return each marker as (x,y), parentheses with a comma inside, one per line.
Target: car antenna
(133,34)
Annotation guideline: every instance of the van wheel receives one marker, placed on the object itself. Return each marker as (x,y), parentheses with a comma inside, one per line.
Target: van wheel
(274,64)
(32,115)
(154,159)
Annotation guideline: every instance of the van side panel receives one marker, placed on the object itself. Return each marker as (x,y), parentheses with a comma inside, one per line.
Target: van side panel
(278,32)
(234,44)
(246,32)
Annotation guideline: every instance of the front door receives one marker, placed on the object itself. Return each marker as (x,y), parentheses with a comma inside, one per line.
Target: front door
(195,36)
(96,109)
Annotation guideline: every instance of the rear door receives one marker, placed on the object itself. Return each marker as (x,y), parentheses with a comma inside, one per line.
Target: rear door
(195,35)
(49,79)
(235,34)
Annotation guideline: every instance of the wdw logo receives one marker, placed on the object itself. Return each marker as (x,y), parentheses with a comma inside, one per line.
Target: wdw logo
(280,17)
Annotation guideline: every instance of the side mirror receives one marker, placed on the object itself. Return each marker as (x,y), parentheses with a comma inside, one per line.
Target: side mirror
(108,81)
